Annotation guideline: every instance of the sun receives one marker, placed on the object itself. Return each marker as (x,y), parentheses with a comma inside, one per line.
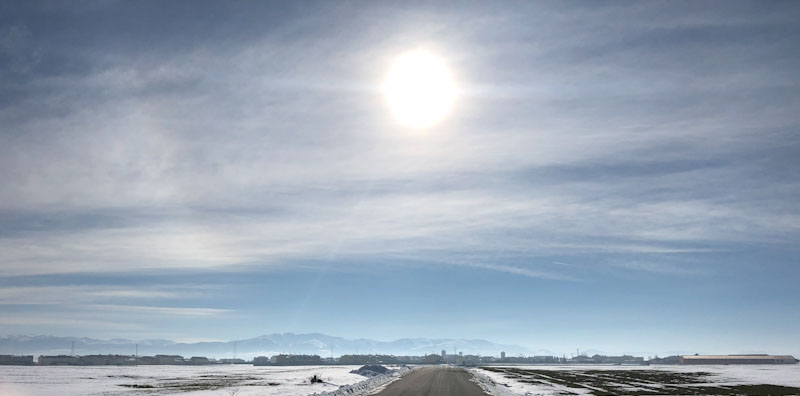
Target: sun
(419,89)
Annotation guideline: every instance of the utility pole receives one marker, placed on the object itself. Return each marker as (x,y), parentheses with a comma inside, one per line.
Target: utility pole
(72,349)
(234,349)
(136,356)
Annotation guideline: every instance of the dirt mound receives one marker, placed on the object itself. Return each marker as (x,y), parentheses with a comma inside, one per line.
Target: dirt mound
(372,370)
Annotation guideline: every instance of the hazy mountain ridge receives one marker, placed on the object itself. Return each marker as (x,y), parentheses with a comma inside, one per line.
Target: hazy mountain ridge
(313,343)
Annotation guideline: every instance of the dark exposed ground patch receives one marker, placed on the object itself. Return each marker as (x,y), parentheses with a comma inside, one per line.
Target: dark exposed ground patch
(188,386)
(138,386)
(200,383)
(639,382)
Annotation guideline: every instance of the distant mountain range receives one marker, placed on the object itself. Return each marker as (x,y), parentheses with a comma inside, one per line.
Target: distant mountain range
(265,345)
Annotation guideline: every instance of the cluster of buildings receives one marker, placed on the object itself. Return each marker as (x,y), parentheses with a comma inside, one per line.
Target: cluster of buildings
(461,359)
(380,359)
(686,359)
(315,360)
(444,358)
(16,360)
(738,359)
(472,360)
(112,360)
(543,359)
(602,359)
(288,360)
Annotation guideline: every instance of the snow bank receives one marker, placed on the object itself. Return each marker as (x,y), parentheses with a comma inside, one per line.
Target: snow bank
(372,370)
(489,385)
(369,385)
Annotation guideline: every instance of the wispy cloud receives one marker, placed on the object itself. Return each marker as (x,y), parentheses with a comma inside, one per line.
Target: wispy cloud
(83,294)
(161,311)
(657,267)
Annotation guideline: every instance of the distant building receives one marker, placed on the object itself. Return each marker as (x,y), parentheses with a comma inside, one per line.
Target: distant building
(368,359)
(543,359)
(410,359)
(107,360)
(737,359)
(261,361)
(198,360)
(169,359)
(488,359)
(296,360)
(146,360)
(582,359)
(470,360)
(444,353)
(16,360)
(674,359)
(232,361)
(596,359)
(59,360)
(502,355)
(530,359)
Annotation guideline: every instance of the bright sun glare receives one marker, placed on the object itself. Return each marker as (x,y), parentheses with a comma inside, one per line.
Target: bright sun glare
(419,89)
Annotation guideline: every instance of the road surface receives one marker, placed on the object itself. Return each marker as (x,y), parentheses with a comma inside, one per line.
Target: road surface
(434,381)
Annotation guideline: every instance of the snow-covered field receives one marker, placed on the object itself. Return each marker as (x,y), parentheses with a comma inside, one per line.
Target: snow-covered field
(186,380)
(584,380)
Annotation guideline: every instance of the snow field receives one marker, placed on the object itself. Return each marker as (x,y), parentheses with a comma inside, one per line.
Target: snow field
(509,384)
(241,380)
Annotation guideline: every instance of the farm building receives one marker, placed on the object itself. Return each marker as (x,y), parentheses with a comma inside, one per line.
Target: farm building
(59,360)
(12,360)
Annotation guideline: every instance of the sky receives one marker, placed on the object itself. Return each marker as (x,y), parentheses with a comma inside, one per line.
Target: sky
(618,176)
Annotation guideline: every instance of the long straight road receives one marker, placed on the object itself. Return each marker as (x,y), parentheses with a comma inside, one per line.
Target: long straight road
(434,381)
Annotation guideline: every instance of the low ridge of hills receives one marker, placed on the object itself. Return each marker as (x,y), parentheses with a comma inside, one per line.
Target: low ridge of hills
(265,345)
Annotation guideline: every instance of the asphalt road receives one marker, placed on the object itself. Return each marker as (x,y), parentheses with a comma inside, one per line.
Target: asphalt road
(434,381)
